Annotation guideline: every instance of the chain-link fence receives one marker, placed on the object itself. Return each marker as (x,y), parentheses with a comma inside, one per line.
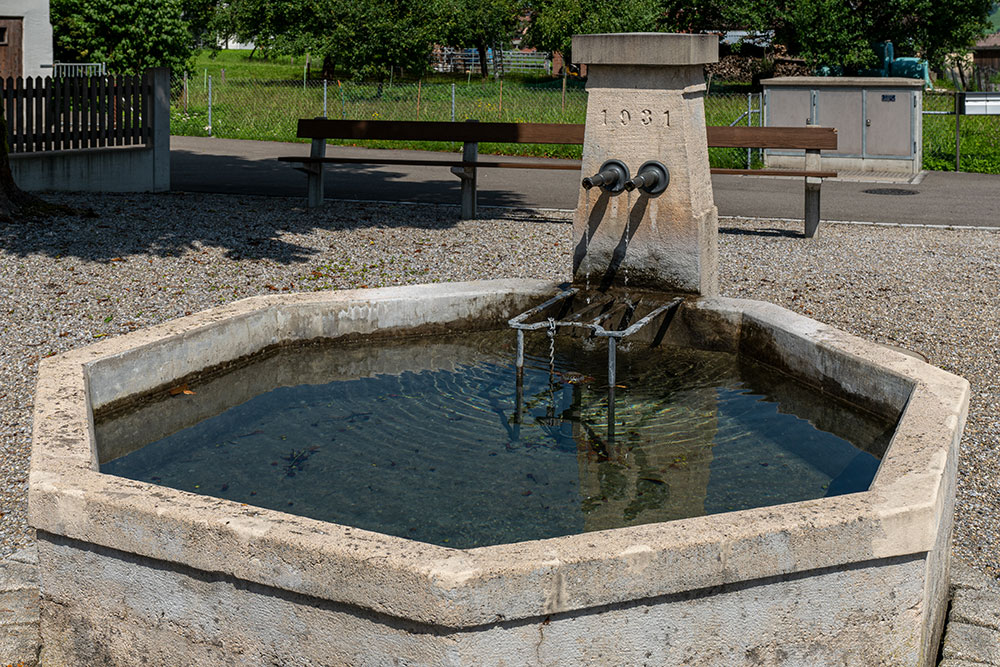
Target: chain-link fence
(269,110)
(977,148)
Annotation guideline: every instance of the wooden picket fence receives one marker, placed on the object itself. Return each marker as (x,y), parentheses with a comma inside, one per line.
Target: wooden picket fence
(65,113)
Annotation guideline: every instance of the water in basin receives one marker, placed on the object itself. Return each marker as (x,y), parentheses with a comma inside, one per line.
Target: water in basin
(421,438)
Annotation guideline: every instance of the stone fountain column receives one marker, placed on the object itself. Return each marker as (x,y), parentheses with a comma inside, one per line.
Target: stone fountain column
(646,102)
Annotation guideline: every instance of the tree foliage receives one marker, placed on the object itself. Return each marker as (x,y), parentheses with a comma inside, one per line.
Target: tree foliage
(366,39)
(824,32)
(833,32)
(130,35)
(480,24)
(554,22)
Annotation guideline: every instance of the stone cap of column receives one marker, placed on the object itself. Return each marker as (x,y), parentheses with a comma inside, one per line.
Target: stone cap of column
(645,48)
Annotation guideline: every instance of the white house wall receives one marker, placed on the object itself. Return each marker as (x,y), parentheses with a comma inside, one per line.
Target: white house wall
(37,40)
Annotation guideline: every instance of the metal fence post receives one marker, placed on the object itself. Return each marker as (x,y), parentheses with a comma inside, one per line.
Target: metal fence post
(749,123)
(563,112)
(324,98)
(159,126)
(958,136)
(453,103)
(343,112)
(185,93)
(209,106)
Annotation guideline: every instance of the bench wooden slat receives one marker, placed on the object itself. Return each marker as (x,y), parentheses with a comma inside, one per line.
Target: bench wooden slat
(775,172)
(824,138)
(373,160)
(574,165)
(565,165)
(772,137)
(415,130)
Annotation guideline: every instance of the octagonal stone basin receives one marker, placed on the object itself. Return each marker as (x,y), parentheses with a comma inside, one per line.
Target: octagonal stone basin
(133,571)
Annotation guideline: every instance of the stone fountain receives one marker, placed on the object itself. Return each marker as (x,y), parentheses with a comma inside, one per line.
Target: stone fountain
(130,569)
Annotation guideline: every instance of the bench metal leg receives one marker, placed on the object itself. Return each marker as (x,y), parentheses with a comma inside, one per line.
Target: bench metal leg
(314,174)
(314,197)
(812,206)
(470,153)
(813,163)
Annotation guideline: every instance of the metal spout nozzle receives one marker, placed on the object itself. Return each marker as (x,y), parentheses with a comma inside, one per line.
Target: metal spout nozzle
(611,177)
(653,178)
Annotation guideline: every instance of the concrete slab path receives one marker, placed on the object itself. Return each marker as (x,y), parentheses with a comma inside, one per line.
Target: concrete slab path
(200,164)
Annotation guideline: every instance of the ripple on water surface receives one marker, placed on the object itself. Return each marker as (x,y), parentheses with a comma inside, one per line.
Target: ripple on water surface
(421,438)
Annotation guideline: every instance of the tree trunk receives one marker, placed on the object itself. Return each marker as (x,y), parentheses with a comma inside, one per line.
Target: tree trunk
(483,64)
(15,203)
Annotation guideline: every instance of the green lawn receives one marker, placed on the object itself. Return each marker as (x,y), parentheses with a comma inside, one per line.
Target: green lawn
(259,100)
(263,99)
(239,66)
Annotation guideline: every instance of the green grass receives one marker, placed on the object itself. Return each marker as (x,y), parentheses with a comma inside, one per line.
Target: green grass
(267,109)
(263,99)
(239,66)
(980,136)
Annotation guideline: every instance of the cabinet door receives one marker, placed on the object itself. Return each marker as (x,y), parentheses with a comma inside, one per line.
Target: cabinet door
(889,123)
(10,48)
(841,108)
(789,107)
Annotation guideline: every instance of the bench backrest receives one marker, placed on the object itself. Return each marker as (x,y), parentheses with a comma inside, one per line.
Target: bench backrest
(823,138)
(414,130)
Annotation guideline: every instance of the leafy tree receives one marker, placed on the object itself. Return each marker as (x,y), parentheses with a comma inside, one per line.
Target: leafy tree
(554,22)
(130,35)
(202,21)
(480,24)
(824,32)
(364,38)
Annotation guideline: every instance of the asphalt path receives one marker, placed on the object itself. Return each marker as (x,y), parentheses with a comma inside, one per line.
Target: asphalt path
(250,167)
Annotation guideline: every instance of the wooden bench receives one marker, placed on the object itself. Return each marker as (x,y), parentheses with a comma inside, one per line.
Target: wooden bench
(471,134)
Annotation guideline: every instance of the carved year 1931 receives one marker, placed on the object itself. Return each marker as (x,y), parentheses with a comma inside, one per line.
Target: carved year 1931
(644,117)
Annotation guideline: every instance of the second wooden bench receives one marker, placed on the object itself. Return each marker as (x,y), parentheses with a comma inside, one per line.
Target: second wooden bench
(471,134)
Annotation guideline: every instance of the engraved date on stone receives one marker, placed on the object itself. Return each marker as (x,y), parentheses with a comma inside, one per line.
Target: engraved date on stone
(644,117)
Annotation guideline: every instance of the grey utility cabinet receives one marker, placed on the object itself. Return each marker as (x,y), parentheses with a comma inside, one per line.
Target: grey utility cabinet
(878,120)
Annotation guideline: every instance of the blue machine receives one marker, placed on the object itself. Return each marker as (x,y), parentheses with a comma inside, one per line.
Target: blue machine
(888,65)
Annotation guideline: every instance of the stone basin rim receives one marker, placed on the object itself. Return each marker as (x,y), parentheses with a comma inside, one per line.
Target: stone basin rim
(444,586)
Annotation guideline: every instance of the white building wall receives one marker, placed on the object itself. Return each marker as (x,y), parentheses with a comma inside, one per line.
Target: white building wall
(37,41)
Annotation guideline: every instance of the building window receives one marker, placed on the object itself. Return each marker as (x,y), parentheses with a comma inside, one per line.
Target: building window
(3,36)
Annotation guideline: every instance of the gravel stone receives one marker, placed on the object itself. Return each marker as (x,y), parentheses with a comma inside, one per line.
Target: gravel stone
(145,258)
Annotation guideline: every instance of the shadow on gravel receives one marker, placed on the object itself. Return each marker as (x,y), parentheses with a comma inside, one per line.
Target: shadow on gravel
(198,172)
(770,232)
(244,225)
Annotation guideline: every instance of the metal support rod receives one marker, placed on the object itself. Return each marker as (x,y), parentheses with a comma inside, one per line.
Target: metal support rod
(520,350)
(519,394)
(324,98)
(453,103)
(612,368)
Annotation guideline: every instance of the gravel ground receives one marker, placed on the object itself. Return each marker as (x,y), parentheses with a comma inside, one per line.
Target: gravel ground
(148,258)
